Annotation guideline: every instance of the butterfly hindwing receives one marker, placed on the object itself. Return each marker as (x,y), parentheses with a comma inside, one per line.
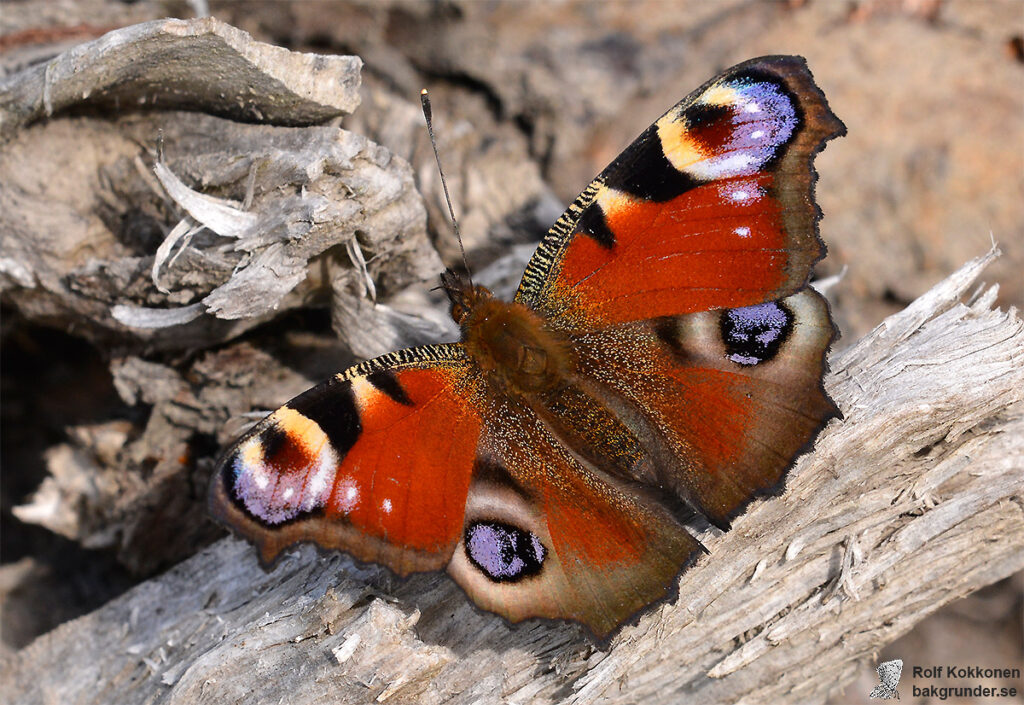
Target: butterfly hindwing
(711,207)
(376,461)
(725,400)
(549,535)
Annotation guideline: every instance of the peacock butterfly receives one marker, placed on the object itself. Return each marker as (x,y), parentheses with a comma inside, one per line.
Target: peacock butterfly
(663,351)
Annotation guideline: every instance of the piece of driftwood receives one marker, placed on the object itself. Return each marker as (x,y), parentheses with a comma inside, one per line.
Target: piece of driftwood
(909,502)
(235,222)
(184,64)
(239,221)
(224,235)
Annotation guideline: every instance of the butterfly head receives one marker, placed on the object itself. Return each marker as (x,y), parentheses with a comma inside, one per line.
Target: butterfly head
(464,296)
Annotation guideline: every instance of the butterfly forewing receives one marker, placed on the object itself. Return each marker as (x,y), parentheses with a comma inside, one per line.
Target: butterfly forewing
(711,207)
(376,462)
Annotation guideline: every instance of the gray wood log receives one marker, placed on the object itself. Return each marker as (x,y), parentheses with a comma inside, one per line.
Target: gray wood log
(184,64)
(76,250)
(909,502)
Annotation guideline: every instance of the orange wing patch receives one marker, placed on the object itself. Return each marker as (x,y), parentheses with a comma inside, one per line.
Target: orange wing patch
(405,478)
(728,251)
(376,462)
(710,208)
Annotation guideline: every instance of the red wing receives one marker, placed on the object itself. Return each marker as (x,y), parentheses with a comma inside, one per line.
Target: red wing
(712,207)
(375,462)
(711,407)
(725,399)
(548,535)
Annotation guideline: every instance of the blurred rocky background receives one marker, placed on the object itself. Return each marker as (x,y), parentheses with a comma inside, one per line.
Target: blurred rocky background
(135,342)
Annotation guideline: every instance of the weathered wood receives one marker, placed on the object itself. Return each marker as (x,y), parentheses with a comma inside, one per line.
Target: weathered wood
(184,64)
(909,502)
(247,213)
(264,202)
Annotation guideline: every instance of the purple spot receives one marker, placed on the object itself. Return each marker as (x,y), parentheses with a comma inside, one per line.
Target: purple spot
(765,115)
(538,547)
(754,334)
(764,119)
(271,496)
(503,552)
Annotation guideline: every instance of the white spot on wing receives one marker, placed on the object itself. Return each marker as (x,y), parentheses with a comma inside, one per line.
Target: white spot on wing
(348,498)
(319,486)
(744,192)
(259,476)
(742,231)
(385,506)
(736,164)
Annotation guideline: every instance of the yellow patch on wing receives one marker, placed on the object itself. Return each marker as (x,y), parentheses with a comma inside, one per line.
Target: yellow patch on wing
(252,452)
(612,202)
(367,396)
(299,429)
(720,95)
(679,147)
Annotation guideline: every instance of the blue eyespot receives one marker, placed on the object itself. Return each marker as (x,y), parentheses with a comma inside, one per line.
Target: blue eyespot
(504,553)
(754,334)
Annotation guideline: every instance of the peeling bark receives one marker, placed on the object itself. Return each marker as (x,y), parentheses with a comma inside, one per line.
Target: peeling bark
(200,64)
(166,229)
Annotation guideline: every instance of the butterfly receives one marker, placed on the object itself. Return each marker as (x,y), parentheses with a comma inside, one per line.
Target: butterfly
(662,356)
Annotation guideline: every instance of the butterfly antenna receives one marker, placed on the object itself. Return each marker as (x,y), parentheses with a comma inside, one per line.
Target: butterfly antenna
(427,115)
